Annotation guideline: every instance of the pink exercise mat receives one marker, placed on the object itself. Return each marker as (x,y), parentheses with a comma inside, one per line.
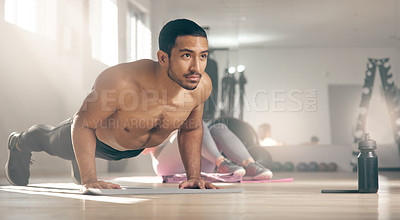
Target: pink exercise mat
(220,178)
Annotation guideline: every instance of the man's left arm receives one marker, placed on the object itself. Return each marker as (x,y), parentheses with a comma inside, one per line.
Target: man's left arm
(190,139)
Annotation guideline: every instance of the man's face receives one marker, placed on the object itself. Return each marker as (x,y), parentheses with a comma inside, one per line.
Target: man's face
(188,61)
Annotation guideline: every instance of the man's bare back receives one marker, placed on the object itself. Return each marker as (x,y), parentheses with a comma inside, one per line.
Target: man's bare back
(149,112)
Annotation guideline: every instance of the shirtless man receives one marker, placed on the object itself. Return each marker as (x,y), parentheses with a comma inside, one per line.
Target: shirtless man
(132,106)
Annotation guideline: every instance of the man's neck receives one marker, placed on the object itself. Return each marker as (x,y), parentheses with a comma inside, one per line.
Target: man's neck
(165,84)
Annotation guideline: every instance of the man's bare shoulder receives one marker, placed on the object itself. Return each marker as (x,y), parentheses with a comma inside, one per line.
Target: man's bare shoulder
(126,75)
(204,88)
(144,66)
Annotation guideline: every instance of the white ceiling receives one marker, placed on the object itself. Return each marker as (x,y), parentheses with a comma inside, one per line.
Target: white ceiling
(294,23)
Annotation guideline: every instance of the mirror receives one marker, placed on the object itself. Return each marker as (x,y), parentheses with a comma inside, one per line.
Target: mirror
(305,62)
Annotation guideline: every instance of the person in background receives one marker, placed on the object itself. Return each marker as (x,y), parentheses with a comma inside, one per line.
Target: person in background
(314,140)
(222,152)
(264,135)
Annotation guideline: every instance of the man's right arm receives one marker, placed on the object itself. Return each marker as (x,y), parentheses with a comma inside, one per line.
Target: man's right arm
(100,104)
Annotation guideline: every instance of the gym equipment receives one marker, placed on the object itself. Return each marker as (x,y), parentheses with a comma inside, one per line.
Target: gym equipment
(312,166)
(242,81)
(277,166)
(322,167)
(228,94)
(302,167)
(288,167)
(392,98)
(261,155)
(332,167)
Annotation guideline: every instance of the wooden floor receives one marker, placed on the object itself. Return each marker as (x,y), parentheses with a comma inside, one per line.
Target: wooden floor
(300,199)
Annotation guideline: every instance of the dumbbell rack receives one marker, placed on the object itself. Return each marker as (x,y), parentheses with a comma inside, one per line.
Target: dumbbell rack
(392,98)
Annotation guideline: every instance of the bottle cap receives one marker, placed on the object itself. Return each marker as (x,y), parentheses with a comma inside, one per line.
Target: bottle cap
(366,143)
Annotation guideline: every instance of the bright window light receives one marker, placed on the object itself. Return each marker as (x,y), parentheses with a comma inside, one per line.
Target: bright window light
(103,28)
(131,39)
(22,13)
(138,35)
(36,16)
(144,41)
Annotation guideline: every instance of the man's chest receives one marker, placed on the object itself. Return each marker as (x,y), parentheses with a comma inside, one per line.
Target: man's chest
(155,118)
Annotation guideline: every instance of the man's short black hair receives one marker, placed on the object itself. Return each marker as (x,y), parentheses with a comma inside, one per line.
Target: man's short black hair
(176,28)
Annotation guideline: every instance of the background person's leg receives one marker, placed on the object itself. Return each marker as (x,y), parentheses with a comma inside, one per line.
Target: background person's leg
(213,156)
(229,144)
(209,149)
(168,161)
(234,150)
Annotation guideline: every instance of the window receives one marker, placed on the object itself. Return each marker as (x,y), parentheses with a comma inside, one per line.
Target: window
(103,30)
(138,35)
(36,16)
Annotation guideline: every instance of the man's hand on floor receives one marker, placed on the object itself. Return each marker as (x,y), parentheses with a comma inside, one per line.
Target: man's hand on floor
(197,184)
(100,185)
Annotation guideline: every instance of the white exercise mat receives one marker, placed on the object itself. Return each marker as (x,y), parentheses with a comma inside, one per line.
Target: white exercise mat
(142,191)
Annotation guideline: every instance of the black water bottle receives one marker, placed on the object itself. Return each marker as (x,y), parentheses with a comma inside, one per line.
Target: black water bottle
(367,166)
